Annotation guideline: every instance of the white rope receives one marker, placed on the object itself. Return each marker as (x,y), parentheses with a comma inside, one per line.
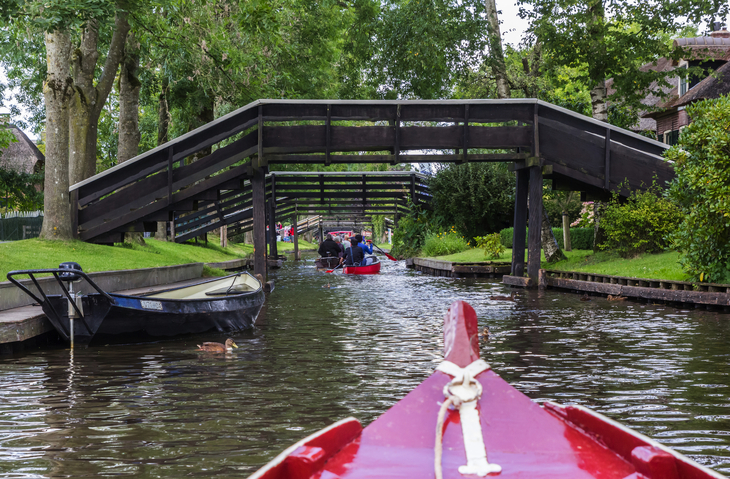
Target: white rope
(463,392)
(438,449)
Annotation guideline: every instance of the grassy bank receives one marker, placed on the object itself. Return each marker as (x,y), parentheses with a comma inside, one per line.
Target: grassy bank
(650,266)
(38,254)
(283,246)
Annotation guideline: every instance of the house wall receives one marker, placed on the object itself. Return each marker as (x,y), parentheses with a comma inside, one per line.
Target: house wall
(673,121)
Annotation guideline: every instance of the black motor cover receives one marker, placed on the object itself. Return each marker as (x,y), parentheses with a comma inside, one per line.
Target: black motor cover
(70,275)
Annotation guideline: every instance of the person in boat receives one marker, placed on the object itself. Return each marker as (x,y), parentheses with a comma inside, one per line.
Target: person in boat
(354,255)
(328,248)
(341,253)
(346,242)
(366,247)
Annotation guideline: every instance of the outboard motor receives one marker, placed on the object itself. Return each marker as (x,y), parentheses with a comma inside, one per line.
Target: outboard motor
(75,308)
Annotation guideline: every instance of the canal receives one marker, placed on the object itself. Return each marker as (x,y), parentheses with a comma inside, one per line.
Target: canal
(327,347)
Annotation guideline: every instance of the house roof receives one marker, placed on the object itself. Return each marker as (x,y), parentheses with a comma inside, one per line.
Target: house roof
(21,156)
(714,47)
(716,84)
(660,65)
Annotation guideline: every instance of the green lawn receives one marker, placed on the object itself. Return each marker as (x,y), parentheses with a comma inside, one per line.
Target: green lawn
(303,245)
(651,266)
(38,254)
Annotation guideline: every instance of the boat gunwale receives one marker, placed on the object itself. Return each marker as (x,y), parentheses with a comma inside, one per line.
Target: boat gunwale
(185,300)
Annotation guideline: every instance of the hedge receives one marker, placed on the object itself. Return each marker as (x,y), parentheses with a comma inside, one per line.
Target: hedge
(580,238)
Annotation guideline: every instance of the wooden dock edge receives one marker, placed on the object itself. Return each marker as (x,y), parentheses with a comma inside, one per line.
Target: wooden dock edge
(434,267)
(637,288)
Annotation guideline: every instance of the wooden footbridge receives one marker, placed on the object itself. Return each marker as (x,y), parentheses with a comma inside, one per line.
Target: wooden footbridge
(229,183)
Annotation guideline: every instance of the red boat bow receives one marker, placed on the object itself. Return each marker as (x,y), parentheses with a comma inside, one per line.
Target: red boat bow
(526,440)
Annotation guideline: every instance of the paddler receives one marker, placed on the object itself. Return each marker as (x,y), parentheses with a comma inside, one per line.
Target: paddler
(328,248)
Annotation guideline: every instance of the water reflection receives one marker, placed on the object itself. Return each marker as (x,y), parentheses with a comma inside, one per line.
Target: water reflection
(321,354)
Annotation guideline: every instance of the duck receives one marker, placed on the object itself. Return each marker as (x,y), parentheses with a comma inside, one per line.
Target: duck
(218,347)
(511,297)
(616,298)
(484,334)
(585,297)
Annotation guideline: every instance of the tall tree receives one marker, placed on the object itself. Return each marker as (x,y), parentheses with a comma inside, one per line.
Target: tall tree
(496,53)
(91,95)
(58,92)
(602,39)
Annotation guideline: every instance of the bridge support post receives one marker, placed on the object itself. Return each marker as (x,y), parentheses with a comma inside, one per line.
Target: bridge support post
(518,233)
(295,228)
(273,253)
(535,225)
(258,191)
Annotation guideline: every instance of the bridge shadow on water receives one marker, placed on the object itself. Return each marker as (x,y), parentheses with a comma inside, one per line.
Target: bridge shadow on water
(328,346)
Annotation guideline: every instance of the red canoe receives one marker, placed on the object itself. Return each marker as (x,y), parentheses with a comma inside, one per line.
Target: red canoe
(501,433)
(373,268)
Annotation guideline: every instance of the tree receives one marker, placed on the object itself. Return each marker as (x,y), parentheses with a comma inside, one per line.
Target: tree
(701,189)
(496,54)
(57,92)
(477,198)
(612,40)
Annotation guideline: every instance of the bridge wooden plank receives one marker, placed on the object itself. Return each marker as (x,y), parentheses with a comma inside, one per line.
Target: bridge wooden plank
(155,186)
(111,223)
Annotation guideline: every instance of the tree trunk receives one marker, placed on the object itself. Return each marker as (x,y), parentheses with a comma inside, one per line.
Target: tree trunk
(549,243)
(599,236)
(163,126)
(566,232)
(495,50)
(598,101)
(89,99)
(129,136)
(57,93)
(129,88)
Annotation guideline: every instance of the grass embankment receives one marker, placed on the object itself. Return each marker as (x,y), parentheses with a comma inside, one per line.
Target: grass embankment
(282,246)
(650,266)
(40,254)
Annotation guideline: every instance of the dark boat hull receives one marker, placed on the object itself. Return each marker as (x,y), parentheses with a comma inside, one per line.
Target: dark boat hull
(129,319)
(327,262)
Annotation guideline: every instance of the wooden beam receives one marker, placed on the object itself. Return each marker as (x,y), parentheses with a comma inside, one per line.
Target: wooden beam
(258,183)
(273,253)
(295,227)
(607,163)
(535,224)
(315,159)
(520,223)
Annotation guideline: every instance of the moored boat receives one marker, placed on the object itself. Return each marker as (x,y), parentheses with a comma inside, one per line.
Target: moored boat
(326,262)
(466,421)
(227,304)
(371,268)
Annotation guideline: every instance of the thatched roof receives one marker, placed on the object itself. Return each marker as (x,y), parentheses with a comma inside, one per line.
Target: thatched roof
(718,83)
(21,156)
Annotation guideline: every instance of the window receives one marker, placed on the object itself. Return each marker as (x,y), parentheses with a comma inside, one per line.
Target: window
(683,81)
(671,137)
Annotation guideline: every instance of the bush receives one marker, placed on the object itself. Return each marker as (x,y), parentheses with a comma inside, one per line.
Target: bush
(580,238)
(477,198)
(642,224)
(409,236)
(440,244)
(491,244)
(702,191)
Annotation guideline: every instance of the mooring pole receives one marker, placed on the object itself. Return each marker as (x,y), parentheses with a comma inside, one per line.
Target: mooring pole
(258,188)
(520,223)
(295,228)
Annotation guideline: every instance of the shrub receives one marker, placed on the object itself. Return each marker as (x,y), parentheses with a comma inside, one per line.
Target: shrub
(492,245)
(409,236)
(440,244)
(640,225)
(586,216)
(580,238)
(477,198)
(702,191)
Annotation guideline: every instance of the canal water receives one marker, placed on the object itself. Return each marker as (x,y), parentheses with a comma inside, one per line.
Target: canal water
(328,347)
